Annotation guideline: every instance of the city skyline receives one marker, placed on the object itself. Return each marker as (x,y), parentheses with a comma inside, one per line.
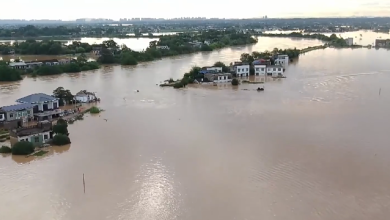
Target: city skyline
(76,9)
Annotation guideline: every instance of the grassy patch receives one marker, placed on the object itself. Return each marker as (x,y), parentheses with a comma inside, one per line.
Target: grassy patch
(251,82)
(40,153)
(94,110)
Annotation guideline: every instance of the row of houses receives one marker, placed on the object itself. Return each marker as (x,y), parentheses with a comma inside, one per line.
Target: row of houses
(42,109)
(261,67)
(37,107)
(33,64)
(382,43)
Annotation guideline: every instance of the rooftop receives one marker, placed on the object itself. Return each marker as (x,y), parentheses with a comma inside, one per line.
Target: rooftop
(16,107)
(17,64)
(36,98)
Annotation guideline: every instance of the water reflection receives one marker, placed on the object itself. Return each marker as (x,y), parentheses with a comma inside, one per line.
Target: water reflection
(311,146)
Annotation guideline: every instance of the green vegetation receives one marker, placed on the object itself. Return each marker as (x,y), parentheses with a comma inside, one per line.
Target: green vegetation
(8,75)
(63,95)
(61,127)
(23,148)
(60,139)
(67,68)
(47,47)
(235,82)
(40,153)
(94,110)
(332,39)
(249,58)
(5,150)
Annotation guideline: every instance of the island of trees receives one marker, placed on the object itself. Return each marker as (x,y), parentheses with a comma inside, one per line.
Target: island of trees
(331,40)
(112,53)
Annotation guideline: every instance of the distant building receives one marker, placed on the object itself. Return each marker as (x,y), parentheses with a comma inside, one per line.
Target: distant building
(162,47)
(45,106)
(216,69)
(382,43)
(219,77)
(14,116)
(241,69)
(38,134)
(282,60)
(349,41)
(85,97)
(275,70)
(260,69)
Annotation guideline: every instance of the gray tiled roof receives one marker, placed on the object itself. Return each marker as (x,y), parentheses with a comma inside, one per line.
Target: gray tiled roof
(35,98)
(16,107)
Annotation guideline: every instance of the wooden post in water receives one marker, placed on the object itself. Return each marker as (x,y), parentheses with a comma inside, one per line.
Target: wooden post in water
(84,183)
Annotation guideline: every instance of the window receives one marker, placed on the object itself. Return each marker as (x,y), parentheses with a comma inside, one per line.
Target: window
(45,137)
(11,115)
(279,69)
(247,69)
(36,139)
(257,69)
(238,70)
(262,69)
(274,69)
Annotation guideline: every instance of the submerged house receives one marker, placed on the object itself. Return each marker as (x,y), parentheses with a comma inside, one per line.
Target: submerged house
(84,96)
(38,134)
(45,107)
(14,116)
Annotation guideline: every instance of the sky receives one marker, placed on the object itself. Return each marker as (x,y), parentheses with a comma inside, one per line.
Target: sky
(115,9)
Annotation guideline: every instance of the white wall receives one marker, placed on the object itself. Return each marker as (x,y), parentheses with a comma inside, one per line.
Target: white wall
(275,71)
(282,60)
(260,70)
(217,69)
(222,79)
(242,70)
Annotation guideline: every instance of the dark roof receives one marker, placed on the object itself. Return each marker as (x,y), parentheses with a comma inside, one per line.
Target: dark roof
(16,107)
(35,98)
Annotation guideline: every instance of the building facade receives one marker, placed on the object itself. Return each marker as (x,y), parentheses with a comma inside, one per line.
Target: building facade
(85,97)
(349,41)
(242,70)
(38,134)
(260,69)
(45,106)
(282,60)
(275,71)
(15,116)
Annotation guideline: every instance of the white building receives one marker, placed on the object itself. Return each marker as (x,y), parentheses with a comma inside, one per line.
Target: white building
(282,60)
(18,65)
(214,68)
(349,41)
(85,97)
(162,47)
(242,70)
(275,70)
(260,69)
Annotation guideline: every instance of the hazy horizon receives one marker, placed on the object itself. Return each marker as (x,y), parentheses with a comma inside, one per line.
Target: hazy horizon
(75,9)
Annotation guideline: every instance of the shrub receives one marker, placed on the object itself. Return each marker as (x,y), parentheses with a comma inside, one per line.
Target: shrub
(94,110)
(178,85)
(23,148)
(235,82)
(5,150)
(60,139)
(60,129)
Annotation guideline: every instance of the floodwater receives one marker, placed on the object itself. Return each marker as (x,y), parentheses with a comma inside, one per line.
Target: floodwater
(314,145)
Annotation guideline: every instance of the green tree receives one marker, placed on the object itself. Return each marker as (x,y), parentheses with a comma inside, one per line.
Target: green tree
(235,82)
(60,139)
(63,95)
(128,59)
(5,150)
(82,58)
(60,129)
(23,148)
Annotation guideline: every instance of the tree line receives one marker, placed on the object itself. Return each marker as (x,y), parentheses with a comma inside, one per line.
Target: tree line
(45,47)
(332,39)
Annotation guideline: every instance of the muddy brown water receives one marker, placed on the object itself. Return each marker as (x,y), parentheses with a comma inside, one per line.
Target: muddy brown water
(312,146)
